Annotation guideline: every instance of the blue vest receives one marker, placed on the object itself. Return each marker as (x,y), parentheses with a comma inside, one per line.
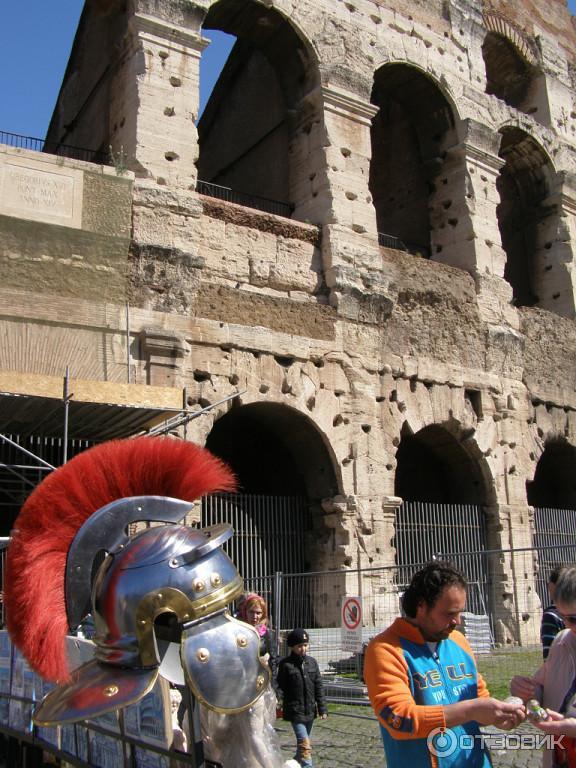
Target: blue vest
(445,677)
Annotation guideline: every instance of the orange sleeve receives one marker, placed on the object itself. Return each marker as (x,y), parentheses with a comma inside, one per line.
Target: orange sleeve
(386,676)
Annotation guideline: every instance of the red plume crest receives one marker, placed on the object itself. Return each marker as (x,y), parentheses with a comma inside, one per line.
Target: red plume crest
(57,508)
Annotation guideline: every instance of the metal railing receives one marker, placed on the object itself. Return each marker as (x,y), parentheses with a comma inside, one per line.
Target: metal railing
(554,537)
(397,244)
(242,198)
(268,530)
(424,531)
(54,148)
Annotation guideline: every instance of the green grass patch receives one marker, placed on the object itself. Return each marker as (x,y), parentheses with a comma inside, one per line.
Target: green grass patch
(500,665)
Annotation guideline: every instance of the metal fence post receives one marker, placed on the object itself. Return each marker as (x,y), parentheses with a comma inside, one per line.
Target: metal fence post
(277,608)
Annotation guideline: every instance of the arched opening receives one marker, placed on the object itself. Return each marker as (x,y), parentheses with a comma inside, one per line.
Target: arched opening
(248,128)
(433,467)
(407,154)
(527,222)
(554,483)
(284,470)
(509,76)
(552,493)
(513,73)
(443,492)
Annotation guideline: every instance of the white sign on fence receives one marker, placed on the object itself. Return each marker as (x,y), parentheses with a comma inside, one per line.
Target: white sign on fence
(351,624)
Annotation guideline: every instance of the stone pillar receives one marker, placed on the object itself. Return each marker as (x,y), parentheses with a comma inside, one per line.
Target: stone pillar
(332,147)
(464,221)
(384,605)
(155,96)
(555,275)
(511,576)
(360,535)
(163,352)
(343,202)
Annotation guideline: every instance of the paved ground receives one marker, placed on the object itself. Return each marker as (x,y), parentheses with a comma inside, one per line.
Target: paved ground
(354,742)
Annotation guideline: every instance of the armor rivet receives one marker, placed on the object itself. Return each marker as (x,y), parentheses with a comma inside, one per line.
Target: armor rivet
(111,690)
(198,585)
(216,579)
(259,682)
(242,641)
(203,654)
(173,563)
(142,621)
(159,596)
(185,617)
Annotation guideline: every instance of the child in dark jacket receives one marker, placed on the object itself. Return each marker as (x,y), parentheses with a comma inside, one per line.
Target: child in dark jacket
(303,693)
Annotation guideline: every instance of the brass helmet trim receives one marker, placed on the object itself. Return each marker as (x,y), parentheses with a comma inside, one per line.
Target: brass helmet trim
(174,600)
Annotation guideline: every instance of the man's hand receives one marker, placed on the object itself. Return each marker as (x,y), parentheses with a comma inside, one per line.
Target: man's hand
(485,711)
(524,687)
(502,714)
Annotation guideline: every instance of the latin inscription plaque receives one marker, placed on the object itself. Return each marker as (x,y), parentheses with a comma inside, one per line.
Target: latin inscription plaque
(41,194)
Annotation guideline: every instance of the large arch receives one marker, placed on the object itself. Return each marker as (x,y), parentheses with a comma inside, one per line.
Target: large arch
(285,469)
(512,71)
(444,488)
(433,466)
(247,130)
(554,482)
(275,449)
(408,135)
(552,493)
(528,222)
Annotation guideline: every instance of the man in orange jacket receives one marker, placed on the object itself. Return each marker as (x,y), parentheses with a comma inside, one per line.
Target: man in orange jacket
(423,682)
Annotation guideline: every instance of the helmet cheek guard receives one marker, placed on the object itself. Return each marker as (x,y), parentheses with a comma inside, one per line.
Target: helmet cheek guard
(218,650)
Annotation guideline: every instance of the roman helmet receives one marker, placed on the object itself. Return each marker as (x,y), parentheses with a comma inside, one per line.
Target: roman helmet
(158,596)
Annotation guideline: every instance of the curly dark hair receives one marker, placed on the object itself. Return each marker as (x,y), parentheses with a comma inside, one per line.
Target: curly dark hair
(428,583)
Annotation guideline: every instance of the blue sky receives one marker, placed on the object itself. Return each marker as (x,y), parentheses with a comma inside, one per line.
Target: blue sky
(35,40)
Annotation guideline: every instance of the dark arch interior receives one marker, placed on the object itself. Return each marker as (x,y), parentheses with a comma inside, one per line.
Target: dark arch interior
(508,74)
(522,186)
(274,450)
(407,134)
(554,483)
(432,466)
(245,130)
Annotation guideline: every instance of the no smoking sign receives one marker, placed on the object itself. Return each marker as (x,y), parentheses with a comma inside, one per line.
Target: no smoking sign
(351,623)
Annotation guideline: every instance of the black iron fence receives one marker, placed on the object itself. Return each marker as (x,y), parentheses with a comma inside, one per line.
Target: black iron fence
(54,148)
(242,198)
(396,243)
